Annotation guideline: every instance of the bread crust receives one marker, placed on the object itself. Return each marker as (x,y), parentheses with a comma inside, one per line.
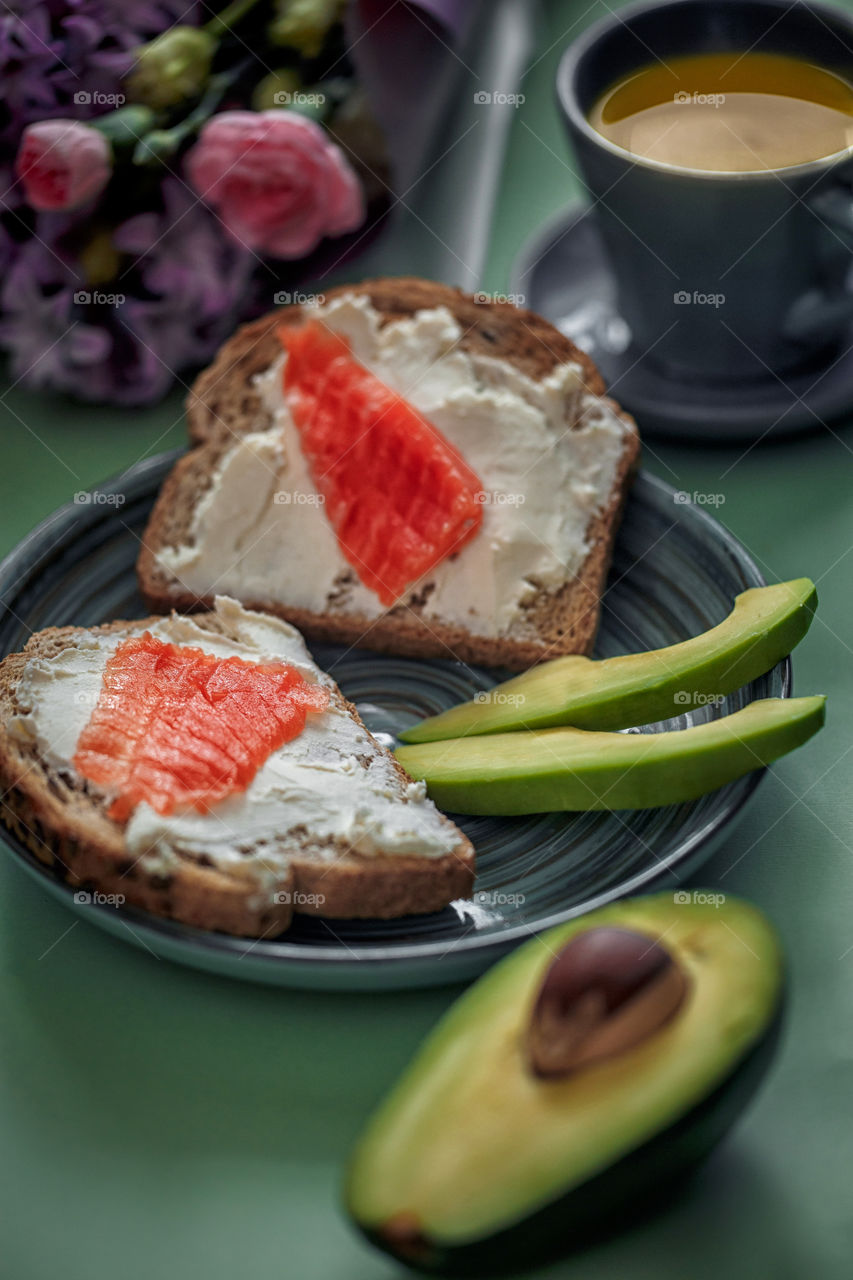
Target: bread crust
(65,826)
(223,404)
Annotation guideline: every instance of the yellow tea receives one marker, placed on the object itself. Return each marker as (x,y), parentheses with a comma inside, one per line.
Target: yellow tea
(728,112)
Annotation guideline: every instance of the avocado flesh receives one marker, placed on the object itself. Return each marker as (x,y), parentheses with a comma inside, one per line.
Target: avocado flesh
(765,624)
(472,1146)
(546,770)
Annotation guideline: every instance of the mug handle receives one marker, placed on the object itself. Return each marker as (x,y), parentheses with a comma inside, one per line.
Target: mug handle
(822,311)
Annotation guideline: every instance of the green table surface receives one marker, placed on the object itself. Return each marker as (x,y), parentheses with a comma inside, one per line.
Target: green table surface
(159,1122)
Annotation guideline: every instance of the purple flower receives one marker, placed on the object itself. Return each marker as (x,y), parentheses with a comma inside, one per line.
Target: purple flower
(181,255)
(48,346)
(69,57)
(195,280)
(181,289)
(29,54)
(180,283)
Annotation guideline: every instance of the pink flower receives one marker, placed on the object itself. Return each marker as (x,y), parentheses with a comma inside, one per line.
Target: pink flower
(277,181)
(63,164)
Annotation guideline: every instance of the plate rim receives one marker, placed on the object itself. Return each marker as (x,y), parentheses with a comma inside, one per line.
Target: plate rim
(35,548)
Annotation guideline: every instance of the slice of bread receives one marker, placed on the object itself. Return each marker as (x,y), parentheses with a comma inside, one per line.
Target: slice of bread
(255,889)
(228,403)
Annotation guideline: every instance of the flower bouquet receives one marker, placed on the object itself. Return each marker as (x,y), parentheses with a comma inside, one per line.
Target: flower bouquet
(168,172)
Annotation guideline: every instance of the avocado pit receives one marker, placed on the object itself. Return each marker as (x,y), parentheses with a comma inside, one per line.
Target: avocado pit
(606,991)
(402,1234)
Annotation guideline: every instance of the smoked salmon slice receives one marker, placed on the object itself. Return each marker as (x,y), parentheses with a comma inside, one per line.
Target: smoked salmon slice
(175,726)
(398,495)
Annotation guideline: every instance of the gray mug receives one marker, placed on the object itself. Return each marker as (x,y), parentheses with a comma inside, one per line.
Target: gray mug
(718,274)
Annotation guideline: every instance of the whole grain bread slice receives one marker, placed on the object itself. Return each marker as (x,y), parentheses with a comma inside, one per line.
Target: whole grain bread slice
(224,405)
(63,822)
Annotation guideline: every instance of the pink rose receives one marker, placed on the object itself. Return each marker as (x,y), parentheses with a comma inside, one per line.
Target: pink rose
(63,164)
(276,179)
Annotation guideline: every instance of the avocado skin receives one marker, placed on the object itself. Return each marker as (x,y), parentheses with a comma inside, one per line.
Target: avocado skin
(626,1193)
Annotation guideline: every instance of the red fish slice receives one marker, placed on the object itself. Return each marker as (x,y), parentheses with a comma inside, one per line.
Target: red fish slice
(398,495)
(176,726)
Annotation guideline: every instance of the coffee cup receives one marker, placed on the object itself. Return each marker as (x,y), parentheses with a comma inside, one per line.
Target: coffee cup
(719,274)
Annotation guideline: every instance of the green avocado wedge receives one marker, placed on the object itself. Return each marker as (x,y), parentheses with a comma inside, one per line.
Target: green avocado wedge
(475,1164)
(765,624)
(575,769)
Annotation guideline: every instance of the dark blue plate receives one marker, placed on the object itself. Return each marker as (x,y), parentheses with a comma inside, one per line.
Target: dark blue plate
(675,573)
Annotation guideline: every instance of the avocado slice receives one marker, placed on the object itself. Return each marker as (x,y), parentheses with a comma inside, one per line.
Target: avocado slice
(551,769)
(475,1164)
(639,688)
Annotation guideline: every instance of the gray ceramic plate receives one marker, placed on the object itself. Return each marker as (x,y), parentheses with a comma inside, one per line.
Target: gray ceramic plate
(675,573)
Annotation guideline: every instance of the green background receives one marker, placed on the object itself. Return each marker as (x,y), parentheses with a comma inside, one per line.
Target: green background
(159,1122)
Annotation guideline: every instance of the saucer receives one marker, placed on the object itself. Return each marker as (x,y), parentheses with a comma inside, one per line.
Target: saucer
(562,272)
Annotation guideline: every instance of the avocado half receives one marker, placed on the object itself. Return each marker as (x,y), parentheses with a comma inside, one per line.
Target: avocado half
(549,770)
(765,624)
(476,1165)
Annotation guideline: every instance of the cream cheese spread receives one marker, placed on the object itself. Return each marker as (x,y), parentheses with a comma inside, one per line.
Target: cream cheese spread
(331,789)
(546,453)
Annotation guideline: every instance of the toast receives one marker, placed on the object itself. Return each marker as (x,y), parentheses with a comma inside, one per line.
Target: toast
(554,610)
(221,879)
